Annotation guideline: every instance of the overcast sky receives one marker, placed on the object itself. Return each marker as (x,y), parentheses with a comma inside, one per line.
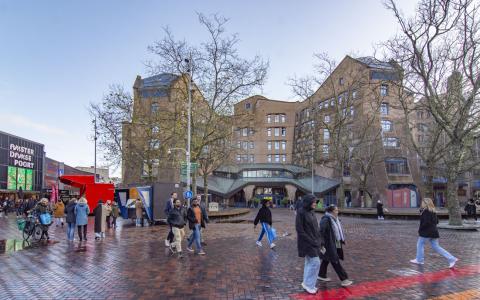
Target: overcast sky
(58,56)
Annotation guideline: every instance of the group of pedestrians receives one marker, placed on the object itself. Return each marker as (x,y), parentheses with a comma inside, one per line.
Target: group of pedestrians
(177,217)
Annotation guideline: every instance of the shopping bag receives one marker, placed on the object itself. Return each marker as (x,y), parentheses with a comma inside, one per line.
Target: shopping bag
(45,219)
(273,233)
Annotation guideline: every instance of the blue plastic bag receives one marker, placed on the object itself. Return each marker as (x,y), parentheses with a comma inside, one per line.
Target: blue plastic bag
(45,219)
(273,233)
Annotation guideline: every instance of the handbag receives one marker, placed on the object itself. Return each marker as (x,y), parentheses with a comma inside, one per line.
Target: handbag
(45,219)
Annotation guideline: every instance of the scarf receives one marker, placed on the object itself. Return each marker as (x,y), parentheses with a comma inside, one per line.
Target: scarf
(337,227)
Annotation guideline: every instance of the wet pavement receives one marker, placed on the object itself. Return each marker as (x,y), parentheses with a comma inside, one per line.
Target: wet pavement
(132,263)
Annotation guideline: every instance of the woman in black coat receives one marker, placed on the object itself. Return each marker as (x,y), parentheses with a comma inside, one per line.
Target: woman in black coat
(308,242)
(333,238)
(70,212)
(428,232)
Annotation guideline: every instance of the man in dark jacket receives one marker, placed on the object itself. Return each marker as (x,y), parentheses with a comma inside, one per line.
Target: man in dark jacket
(176,220)
(168,208)
(471,209)
(264,216)
(309,242)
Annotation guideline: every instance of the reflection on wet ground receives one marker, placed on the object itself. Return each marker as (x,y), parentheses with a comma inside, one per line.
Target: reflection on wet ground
(13,245)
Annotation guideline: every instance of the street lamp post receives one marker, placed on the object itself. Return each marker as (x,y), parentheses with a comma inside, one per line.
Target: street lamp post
(95,155)
(189,70)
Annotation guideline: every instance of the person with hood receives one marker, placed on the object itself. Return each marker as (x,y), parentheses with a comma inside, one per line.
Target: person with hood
(264,216)
(471,209)
(81,218)
(333,238)
(168,208)
(100,213)
(309,242)
(196,221)
(176,220)
(59,212)
(428,232)
(42,207)
(70,212)
(115,213)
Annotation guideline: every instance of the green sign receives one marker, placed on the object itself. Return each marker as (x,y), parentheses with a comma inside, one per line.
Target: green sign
(193,168)
(19,178)
(28,179)
(12,178)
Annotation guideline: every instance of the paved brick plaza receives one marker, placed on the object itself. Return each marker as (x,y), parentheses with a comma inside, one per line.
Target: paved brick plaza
(132,263)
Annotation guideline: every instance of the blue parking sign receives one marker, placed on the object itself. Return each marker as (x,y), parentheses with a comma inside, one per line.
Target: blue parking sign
(188,195)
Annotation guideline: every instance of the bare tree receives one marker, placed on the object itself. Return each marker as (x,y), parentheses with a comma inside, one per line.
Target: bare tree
(438,50)
(222,78)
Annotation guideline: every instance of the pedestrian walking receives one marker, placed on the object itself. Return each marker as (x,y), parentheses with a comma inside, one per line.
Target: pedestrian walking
(115,213)
(108,207)
(100,213)
(264,216)
(44,213)
(309,242)
(176,219)
(195,222)
(333,238)
(168,208)
(81,218)
(428,232)
(206,220)
(380,210)
(59,213)
(70,219)
(139,212)
(471,210)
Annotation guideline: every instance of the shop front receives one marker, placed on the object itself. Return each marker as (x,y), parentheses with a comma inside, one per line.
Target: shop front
(21,166)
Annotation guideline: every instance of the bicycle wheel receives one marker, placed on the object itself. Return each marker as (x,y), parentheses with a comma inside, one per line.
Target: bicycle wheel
(27,231)
(37,232)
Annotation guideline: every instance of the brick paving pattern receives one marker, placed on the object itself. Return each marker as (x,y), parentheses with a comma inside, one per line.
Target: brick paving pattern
(132,263)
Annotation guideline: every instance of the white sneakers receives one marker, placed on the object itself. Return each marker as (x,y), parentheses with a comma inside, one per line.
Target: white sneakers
(324,279)
(309,290)
(167,243)
(415,261)
(272,245)
(259,244)
(452,263)
(346,282)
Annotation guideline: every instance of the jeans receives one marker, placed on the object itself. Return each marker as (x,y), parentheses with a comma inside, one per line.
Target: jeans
(114,222)
(84,231)
(196,238)
(336,266)
(435,246)
(310,271)
(70,231)
(108,222)
(265,229)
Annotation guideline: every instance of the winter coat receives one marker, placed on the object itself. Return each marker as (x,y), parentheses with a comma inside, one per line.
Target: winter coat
(115,211)
(168,207)
(379,209)
(428,225)
(192,220)
(177,217)
(100,213)
(81,214)
(139,209)
(264,215)
(332,253)
(59,210)
(70,212)
(308,233)
(470,209)
(41,209)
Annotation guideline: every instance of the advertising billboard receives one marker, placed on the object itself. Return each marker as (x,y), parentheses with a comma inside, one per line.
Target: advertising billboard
(20,178)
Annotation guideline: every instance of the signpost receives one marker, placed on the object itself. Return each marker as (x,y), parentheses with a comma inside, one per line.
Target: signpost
(188,194)
(193,168)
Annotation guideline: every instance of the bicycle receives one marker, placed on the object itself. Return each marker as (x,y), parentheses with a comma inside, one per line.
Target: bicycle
(31,228)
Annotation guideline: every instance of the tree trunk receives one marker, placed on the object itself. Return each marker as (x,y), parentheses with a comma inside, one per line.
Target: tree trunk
(205,190)
(454,213)
(428,185)
(341,195)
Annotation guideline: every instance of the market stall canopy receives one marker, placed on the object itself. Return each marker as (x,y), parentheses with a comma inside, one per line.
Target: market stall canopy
(89,189)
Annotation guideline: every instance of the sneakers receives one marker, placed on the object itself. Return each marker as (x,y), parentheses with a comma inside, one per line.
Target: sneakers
(324,279)
(190,249)
(201,253)
(415,261)
(452,263)
(259,244)
(309,290)
(346,282)
(272,245)
(167,243)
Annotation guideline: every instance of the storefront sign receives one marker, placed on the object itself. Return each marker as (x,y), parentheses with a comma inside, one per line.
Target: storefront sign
(213,206)
(21,156)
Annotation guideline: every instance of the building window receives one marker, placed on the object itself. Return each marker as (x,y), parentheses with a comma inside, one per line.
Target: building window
(269,158)
(284,131)
(244,131)
(252,158)
(340,99)
(155,129)
(422,127)
(391,142)
(325,104)
(352,111)
(277,131)
(276,118)
(252,145)
(239,158)
(326,119)
(238,132)
(384,90)
(326,134)
(155,107)
(248,105)
(284,158)
(344,112)
(269,118)
(284,145)
(396,166)
(341,81)
(239,144)
(354,94)
(277,145)
(384,109)
(277,158)
(421,138)
(245,145)
(325,149)
(282,118)
(269,131)
(387,126)
(332,102)
(269,145)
